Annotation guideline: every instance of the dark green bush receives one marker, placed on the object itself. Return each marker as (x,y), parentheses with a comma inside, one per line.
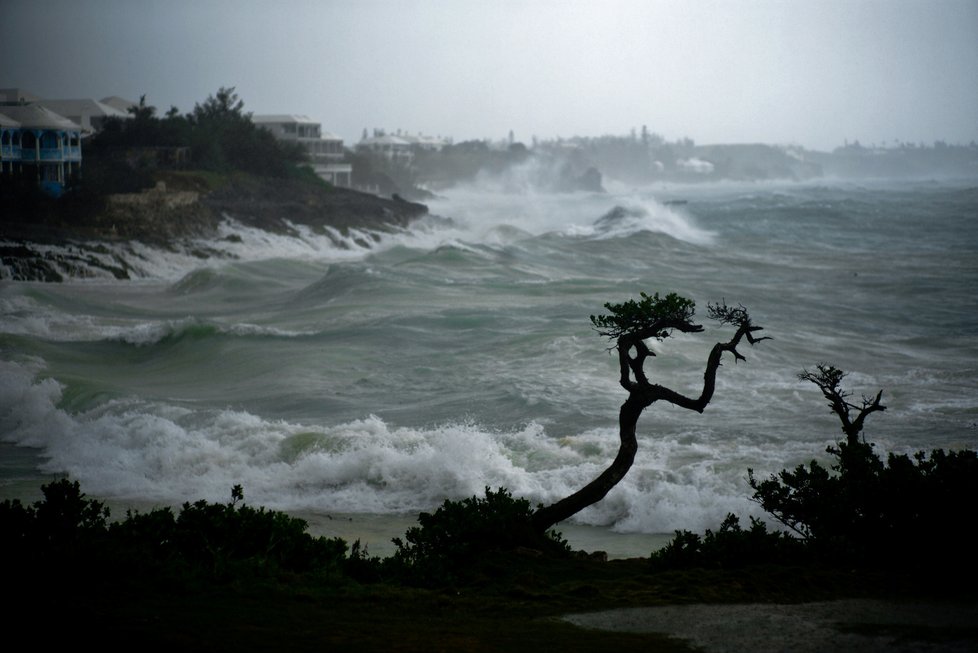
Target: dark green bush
(870,511)
(216,540)
(63,519)
(730,547)
(449,543)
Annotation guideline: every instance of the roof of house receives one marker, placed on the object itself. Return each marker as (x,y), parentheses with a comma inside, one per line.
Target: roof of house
(34,115)
(386,139)
(283,117)
(120,103)
(83,107)
(7,121)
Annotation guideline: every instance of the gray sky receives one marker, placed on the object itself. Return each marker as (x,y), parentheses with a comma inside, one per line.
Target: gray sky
(811,72)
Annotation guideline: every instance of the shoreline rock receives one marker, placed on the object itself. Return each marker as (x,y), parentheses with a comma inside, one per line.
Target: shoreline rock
(55,240)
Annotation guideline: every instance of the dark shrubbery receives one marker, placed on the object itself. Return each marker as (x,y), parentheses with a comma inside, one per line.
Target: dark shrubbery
(910,511)
(870,511)
(215,541)
(729,547)
(448,543)
(69,533)
(219,133)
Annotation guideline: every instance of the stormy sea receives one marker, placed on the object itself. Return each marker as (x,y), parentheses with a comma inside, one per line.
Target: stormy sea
(357,381)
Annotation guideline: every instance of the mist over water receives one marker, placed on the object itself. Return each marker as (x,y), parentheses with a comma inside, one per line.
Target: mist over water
(384,375)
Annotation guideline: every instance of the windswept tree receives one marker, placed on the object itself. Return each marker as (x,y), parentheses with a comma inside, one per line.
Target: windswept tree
(630,325)
(225,138)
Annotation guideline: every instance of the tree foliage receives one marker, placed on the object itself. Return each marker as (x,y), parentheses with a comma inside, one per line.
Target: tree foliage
(219,133)
(653,316)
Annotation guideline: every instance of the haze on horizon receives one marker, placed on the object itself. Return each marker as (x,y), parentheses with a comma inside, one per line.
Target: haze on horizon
(795,71)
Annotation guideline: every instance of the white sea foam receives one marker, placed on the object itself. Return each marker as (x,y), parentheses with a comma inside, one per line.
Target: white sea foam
(489,214)
(135,448)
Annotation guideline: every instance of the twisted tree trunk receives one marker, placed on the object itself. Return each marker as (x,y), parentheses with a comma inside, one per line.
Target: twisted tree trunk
(641,395)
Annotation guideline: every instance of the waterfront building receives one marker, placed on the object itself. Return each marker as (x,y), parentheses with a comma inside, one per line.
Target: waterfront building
(392,148)
(122,104)
(39,142)
(89,114)
(325,150)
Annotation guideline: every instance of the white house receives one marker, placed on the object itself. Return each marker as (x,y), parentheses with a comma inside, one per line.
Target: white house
(325,150)
(116,102)
(88,113)
(392,147)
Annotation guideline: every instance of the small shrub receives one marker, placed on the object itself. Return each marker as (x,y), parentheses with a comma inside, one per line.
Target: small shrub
(217,536)
(448,542)
(217,541)
(729,547)
(63,520)
(871,512)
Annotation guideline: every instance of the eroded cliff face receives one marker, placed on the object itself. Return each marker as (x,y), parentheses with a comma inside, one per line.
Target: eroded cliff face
(52,241)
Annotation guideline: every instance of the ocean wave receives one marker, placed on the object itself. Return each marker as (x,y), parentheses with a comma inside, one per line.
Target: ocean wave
(158,452)
(639,216)
(24,316)
(234,242)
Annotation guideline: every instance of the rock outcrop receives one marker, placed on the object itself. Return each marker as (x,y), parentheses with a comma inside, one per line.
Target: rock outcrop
(46,240)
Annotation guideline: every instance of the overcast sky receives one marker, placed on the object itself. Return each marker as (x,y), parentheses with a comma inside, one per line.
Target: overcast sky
(809,72)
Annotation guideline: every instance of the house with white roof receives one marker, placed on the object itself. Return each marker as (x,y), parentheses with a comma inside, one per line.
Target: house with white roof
(116,102)
(393,148)
(37,141)
(88,113)
(325,150)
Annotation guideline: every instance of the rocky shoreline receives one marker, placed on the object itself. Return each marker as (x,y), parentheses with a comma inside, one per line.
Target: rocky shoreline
(52,241)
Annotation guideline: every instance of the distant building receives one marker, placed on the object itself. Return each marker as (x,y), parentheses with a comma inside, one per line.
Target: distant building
(119,103)
(39,142)
(325,150)
(393,148)
(87,113)
(422,142)
(400,146)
